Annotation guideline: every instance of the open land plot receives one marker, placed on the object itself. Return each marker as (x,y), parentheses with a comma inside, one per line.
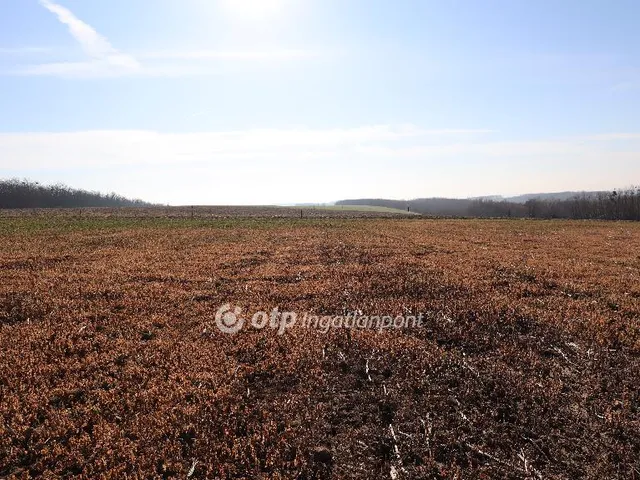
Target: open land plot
(360,208)
(111,362)
(209,212)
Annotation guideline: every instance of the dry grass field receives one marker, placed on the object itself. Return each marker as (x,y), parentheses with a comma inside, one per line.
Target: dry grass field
(210,212)
(111,365)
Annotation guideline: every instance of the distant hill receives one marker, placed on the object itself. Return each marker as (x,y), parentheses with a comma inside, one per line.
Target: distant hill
(356,208)
(449,207)
(15,193)
(540,196)
(551,196)
(614,205)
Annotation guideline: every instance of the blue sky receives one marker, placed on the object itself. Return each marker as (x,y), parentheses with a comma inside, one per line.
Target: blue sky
(277,101)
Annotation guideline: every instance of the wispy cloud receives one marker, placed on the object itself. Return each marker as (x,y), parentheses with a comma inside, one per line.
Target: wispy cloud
(24,50)
(227,54)
(606,137)
(112,67)
(67,149)
(408,141)
(94,44)
(104,60)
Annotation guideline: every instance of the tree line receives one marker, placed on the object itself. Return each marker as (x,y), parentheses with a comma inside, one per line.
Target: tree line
(16,193)
(615,205)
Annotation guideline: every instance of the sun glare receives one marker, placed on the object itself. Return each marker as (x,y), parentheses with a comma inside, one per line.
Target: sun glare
(252,10)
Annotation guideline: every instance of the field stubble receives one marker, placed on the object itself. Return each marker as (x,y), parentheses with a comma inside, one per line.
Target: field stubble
(110,362)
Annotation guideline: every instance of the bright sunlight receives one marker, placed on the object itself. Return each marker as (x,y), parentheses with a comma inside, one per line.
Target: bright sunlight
(252,10)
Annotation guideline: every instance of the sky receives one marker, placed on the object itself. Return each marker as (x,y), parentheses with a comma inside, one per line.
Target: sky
(283,101)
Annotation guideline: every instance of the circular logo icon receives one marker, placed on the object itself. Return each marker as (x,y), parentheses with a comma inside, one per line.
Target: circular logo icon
(228,319)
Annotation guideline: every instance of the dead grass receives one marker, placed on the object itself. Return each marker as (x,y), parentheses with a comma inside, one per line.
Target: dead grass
(110,364)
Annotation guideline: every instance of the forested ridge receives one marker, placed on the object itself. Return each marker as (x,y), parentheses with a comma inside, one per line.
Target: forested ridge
(614,205)
(16,193)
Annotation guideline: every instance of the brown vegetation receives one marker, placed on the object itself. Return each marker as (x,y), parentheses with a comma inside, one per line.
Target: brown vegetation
(199,212)
(527,367)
